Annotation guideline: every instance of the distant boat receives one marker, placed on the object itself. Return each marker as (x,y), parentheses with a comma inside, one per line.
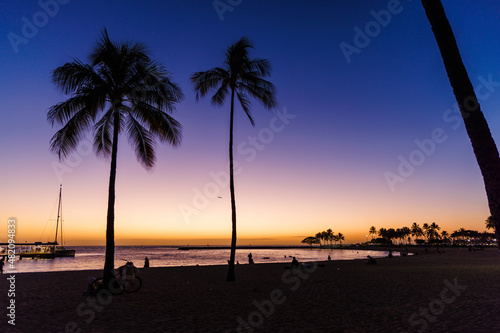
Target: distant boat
(50,250)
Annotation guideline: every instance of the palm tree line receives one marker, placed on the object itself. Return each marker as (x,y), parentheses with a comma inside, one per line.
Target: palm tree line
(124,91)
(431,235)
(324,238)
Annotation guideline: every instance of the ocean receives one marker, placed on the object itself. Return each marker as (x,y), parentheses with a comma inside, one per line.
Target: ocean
(92,257)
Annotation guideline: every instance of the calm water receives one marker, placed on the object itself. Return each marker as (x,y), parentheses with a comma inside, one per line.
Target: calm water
(92,257)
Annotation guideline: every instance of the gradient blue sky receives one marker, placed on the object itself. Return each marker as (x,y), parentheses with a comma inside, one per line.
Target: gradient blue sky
(325,168)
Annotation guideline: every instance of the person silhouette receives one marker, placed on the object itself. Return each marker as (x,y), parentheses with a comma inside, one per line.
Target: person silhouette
(250,259)
(146,262)
(295,262)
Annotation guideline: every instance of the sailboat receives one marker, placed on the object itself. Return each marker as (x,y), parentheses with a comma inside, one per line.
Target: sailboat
(52,249)
(60,250)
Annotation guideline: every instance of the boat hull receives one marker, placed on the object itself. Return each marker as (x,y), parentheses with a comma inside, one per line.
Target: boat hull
(65,253)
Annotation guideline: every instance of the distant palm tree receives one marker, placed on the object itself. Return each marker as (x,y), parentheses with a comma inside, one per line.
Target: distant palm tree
(319,237)
(340,237)
(382,232)
(372,231)
(490,224)
(241,77)
(405,233)
(483,144)
(135,96)
(329,236)
(416,231)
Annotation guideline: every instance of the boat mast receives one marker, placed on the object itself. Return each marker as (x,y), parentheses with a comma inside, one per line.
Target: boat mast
(58,215)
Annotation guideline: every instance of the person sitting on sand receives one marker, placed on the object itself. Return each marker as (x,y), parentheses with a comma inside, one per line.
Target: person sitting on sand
(371,261)
(295,262)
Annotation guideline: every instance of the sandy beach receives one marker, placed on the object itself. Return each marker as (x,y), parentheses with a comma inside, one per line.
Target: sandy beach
(456,291)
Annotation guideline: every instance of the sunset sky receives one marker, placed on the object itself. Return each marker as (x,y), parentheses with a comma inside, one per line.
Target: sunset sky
(366,131)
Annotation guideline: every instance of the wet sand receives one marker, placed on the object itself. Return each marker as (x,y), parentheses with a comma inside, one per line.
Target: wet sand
(456,291)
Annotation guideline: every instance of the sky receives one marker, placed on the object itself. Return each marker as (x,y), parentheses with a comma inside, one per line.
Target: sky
(366,131)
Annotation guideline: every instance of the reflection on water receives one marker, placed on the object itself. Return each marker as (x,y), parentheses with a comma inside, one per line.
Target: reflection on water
(92,257)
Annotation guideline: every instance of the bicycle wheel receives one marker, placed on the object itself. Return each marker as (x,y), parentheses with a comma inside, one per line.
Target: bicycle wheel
(133,285)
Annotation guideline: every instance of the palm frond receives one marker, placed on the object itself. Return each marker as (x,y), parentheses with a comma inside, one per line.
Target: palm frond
(65,141)
(103,137)
(142,141)
(245,104)
(159,123)
(205,82)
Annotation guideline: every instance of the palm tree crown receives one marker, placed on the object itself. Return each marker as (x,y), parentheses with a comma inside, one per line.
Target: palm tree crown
(128,87)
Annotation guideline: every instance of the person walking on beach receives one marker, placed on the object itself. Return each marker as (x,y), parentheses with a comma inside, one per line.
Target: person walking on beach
(146,262)
(250,259)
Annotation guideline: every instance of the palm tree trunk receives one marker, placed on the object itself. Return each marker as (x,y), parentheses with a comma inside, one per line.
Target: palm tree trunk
(230,271)
(109,263)
(477,128)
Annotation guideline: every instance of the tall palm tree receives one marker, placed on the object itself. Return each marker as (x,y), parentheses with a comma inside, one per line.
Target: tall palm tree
(121,90)
(484,146)
(242,77)
(372,231)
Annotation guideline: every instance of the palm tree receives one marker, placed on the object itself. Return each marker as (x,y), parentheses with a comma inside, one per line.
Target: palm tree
(483,145)
(426,230)
(340,237)
(121,90)
(490,224)
(372,231)
(416,231)
(382,232)
(406,232)
(329,236)
(243,77)
(319,237)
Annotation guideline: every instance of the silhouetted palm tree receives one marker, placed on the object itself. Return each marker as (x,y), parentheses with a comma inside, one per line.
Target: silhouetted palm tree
(416,231)
(372,231)
(484,146)
(241,77)
(490,224)
(329,236)
(121,90)
(340,237)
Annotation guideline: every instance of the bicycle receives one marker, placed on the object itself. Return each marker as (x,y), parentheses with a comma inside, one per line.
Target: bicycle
(132,282)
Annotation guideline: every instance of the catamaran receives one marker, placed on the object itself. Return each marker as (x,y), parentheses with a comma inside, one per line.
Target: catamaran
(52,249)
